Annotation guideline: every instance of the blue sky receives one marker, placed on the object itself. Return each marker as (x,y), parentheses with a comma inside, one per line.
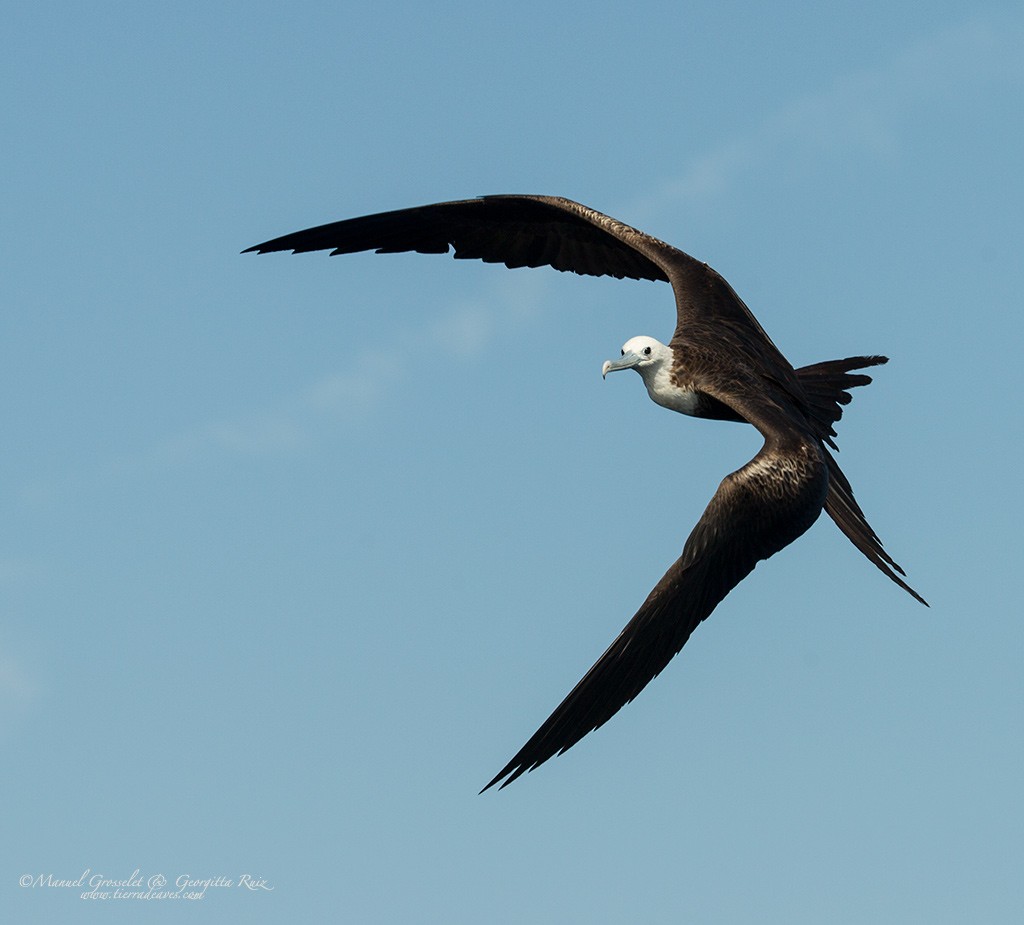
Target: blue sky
(298,551)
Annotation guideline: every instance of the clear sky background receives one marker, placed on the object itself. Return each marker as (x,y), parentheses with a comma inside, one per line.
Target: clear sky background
(298,551)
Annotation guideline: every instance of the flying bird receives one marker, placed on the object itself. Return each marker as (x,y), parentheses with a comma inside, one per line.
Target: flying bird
(719,364)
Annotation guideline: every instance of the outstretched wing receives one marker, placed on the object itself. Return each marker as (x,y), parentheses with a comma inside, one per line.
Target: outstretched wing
(518,231)
(756,512)
(535,231)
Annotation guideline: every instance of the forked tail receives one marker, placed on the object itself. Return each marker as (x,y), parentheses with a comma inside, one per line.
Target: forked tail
(826,386)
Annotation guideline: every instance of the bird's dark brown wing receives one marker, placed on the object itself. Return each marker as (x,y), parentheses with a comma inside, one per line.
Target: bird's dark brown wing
(535,231)
(756,512)
(518,231)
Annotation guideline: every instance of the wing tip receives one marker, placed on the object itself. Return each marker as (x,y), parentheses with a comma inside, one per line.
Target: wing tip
(510,772)
(267,247)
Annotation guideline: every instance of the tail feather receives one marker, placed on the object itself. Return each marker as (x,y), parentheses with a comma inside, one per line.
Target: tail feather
(826,386)
(842,507)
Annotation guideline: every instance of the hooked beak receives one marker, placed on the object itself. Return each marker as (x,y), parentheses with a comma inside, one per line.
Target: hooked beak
(626,361)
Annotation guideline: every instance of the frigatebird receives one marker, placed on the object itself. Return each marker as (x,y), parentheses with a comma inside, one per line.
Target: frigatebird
(719,364)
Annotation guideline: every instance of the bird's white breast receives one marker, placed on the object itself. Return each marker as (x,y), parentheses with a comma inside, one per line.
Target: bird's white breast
(666,393)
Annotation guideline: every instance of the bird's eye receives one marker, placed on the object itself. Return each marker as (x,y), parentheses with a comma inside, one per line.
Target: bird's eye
(647,351)
(622,352)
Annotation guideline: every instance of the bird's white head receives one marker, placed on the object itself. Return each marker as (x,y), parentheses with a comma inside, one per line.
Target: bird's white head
(644,354)
(653,360)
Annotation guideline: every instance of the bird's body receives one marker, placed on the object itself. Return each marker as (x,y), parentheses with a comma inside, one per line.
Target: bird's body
(719,364)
